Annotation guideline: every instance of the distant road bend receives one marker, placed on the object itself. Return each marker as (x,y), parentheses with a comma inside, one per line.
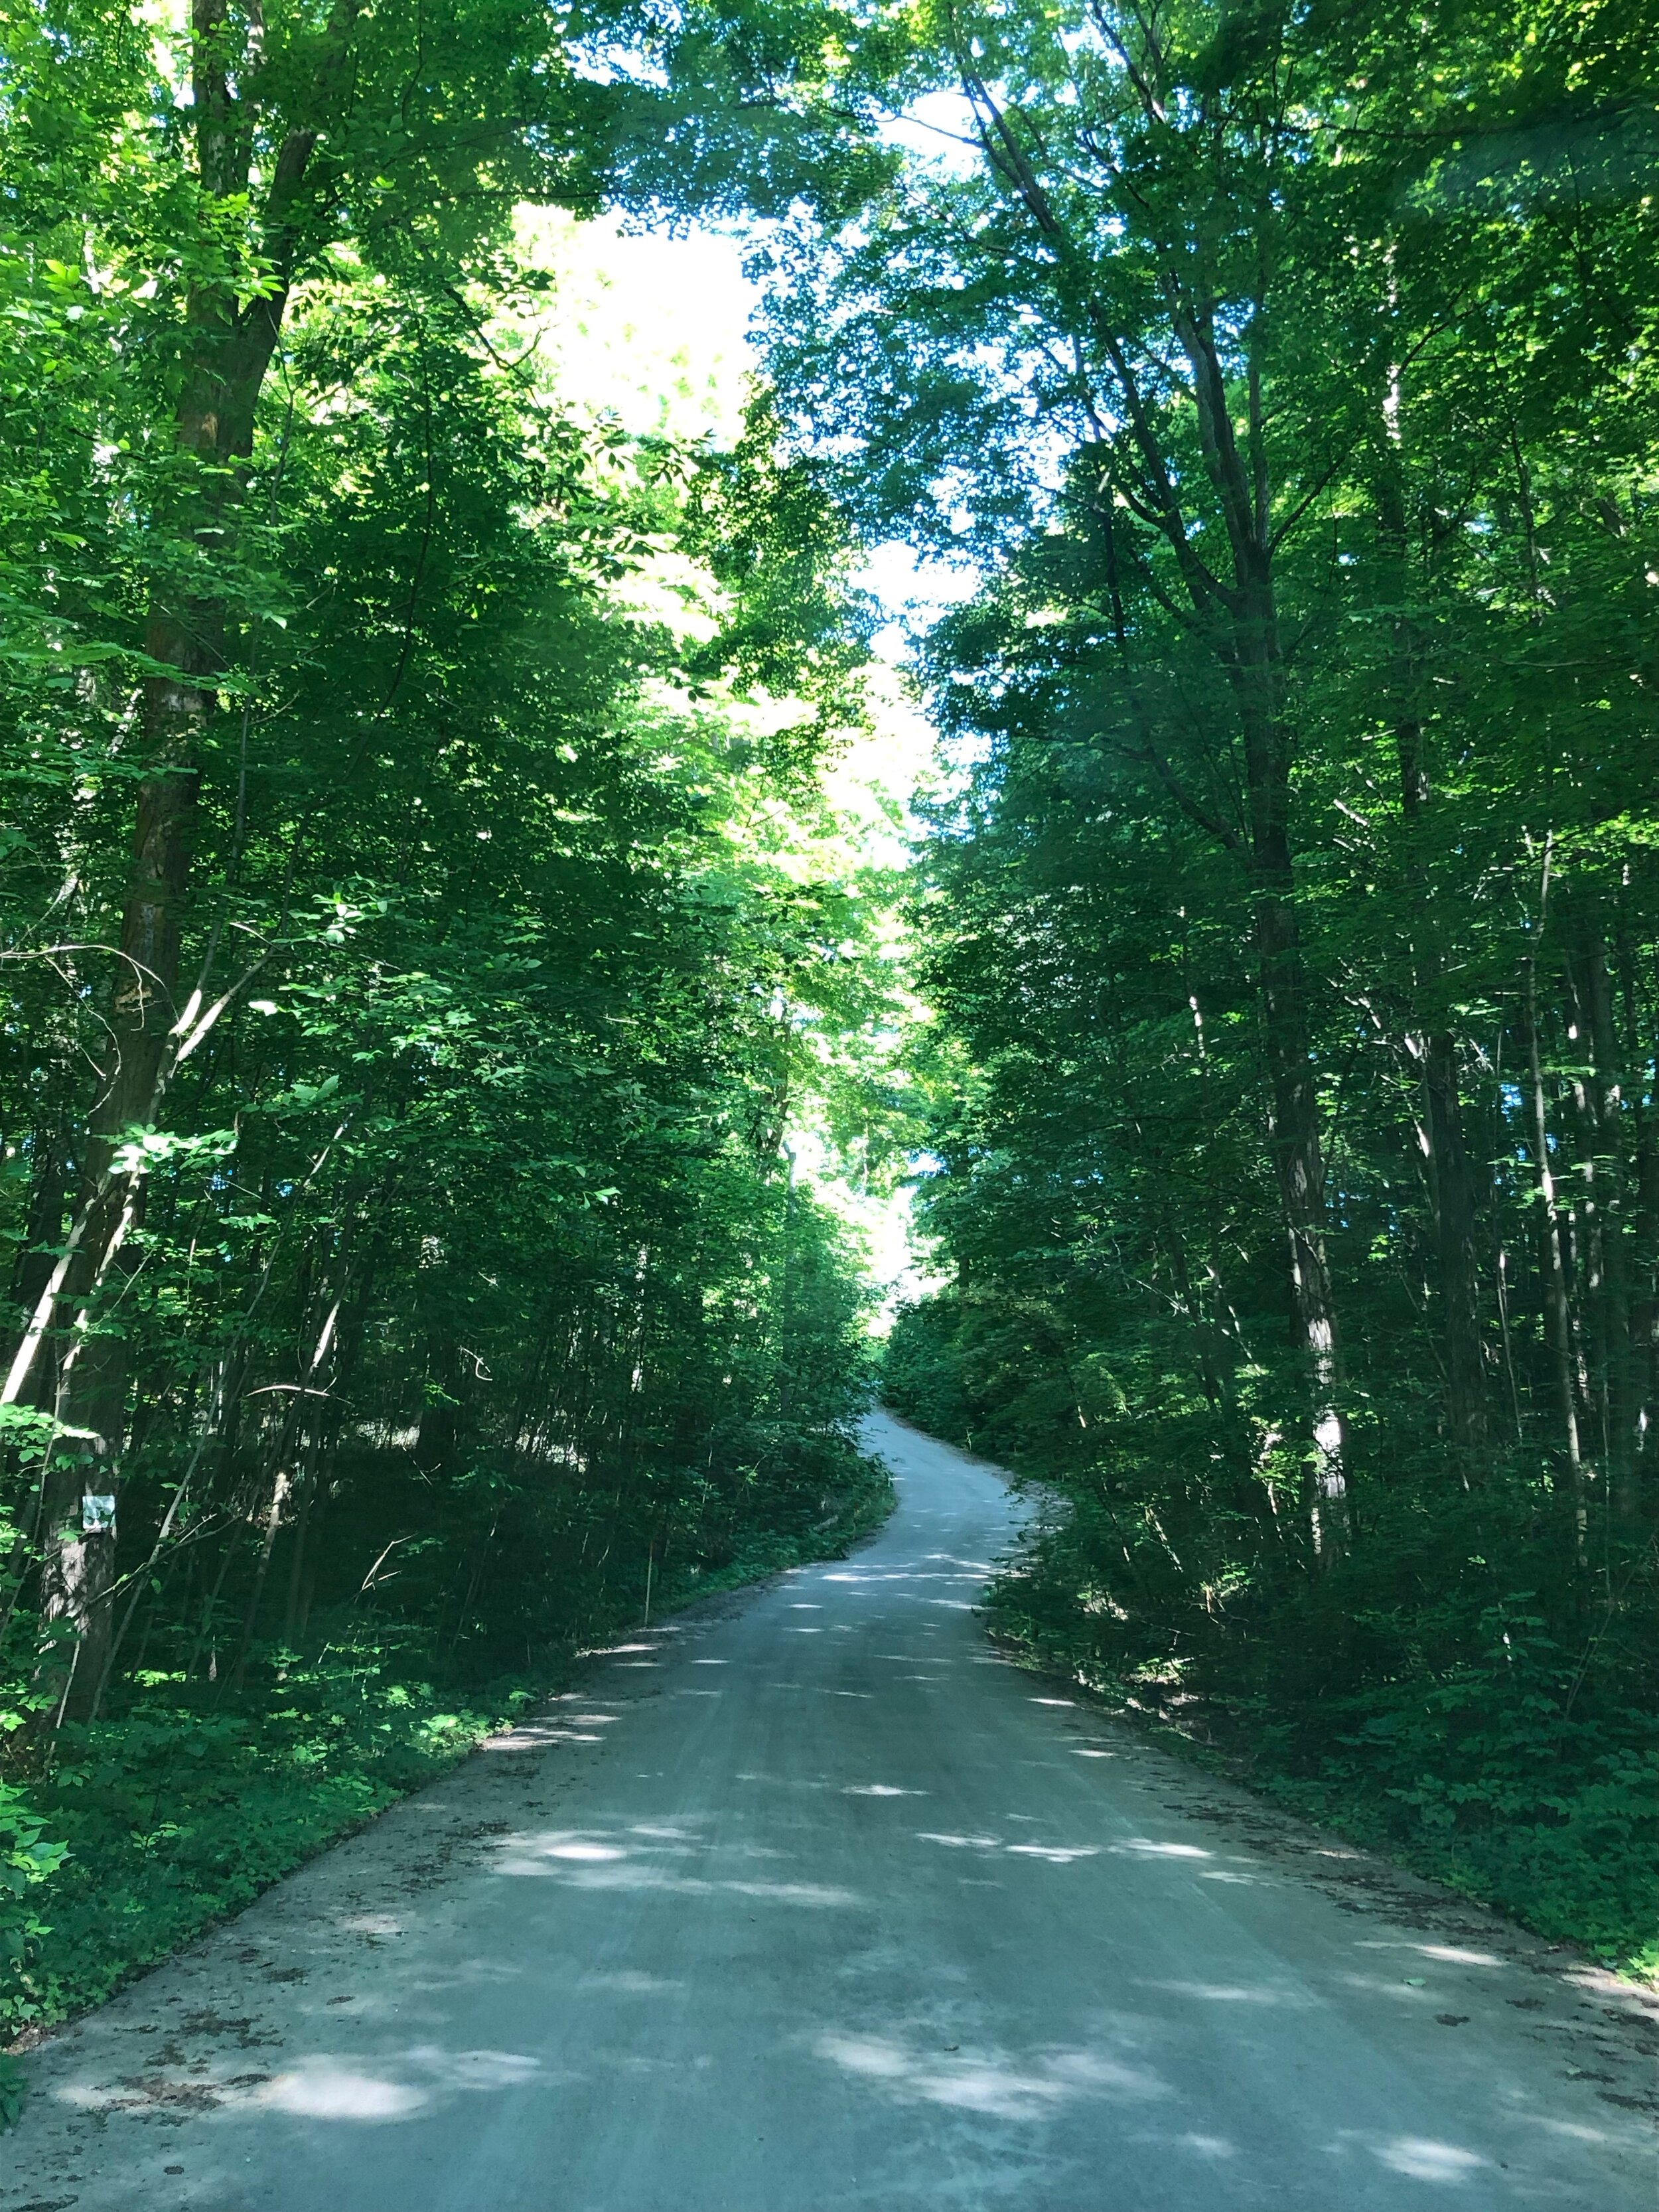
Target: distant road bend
(815,1904)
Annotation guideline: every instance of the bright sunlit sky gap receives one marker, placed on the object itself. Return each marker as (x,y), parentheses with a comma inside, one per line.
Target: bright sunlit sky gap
(654,330)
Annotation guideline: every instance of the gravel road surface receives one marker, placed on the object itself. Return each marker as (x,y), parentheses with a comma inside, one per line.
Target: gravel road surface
(813,1903)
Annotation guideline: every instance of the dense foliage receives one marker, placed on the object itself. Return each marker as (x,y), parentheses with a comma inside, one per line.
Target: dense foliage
(416,955)
(1293,928)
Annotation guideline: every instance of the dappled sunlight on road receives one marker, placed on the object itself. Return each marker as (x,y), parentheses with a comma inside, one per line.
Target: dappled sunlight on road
(396,2085)
(1447,1953)
(793,1892)
(1574,2130)
(1229,1993)
(326,2089)
(992,2081)
(555,1727)
(1051,1854)
(1054,1854)
(629,1982)
(607,1861)
(321,2091)
(1426,2160)
(686,1950)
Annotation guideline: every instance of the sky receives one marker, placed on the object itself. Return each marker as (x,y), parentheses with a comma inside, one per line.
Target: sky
(654,328)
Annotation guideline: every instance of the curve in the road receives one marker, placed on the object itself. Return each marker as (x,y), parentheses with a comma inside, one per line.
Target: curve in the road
(816,1903)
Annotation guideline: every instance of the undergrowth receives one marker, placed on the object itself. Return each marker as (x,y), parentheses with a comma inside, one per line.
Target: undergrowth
(184,1805)
(1494,1774)
(1461,1685)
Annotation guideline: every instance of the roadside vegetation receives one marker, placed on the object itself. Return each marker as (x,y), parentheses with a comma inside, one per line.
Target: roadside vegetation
(1293,926)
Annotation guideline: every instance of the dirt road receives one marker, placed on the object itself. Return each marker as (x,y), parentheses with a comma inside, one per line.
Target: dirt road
(820,1905)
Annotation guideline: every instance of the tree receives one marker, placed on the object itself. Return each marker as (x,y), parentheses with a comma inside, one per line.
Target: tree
(1288,380)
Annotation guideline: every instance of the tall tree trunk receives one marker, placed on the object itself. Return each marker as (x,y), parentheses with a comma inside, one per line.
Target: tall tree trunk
(1553,1260)
(1299,1161)
(1253,662)
(323,1437)
(1644,1260)
(1234,606)
(1451,1185)
(1606,1173)
(48,1193)
(1452,1196)
(83,1477)
(280,1487)
(228,348)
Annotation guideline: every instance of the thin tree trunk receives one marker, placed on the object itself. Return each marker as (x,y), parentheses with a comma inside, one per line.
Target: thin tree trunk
(279,1491)
(1298,1154)
(297,1565)
(1558,1313)
(1452,1195)
(1644,1243)
(208,1634)
(48,1195)
(324,1433)
(1607,1116)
